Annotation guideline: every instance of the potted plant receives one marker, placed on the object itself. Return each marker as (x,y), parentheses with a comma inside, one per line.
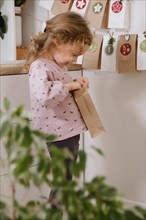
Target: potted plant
(94,200)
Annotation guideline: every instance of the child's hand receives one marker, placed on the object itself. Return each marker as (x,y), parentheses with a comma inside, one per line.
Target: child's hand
(83,81)
(73,86)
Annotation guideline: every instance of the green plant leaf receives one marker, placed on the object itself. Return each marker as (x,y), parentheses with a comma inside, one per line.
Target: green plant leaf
(2,205)
(130,215)
(18,111)
(6,104)
(4,129)
(98,150)
(141,211)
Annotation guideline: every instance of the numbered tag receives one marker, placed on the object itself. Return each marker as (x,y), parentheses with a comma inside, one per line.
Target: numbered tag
(143,46)
(97,8)
(125,49)
(93,47)
(109,49)
(117,7)
(141,52)
(80,4)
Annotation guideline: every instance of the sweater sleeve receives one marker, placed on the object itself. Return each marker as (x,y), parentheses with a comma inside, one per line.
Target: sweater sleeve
(50,93)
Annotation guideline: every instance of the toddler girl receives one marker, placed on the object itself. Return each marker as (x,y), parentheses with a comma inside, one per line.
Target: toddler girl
(66,36)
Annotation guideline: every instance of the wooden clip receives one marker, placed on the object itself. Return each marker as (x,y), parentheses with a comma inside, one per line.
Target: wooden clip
(144,33)
(127,36)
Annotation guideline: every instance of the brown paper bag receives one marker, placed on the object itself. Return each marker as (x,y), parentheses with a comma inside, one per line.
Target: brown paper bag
(126,53)
(61,6)
(97,13)
(92,58)
(88,111)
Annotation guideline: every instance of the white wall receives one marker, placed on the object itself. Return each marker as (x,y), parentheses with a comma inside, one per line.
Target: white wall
(8,13)
(120,100)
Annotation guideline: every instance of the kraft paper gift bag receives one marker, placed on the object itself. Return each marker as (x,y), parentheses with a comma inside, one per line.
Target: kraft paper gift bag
(88,111)
(92,57)
(97,13)
(108,53)
(141,52)
(47,4)
(119,14)
(126,53)
(80,6)
(61,6)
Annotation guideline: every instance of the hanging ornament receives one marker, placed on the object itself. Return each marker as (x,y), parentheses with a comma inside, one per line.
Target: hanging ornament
(117,6)
(109,49)
(80,4)
(97,8)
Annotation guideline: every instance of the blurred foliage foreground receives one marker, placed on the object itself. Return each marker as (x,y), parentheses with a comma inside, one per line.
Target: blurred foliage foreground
(94,200)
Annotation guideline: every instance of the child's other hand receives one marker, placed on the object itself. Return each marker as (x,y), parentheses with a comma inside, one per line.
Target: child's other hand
(73,86)
(83,81)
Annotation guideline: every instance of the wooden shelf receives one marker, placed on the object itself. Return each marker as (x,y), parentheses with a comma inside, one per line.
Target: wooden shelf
(21,53)
(12,68)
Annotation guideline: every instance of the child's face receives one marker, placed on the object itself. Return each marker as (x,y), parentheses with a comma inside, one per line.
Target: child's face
(66,54)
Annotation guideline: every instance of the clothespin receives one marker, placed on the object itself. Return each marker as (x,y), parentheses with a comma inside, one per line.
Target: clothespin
(127,36)
(144,33)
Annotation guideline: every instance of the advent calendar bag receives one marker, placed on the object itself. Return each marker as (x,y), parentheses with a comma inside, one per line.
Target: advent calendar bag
(88,111)
(108,57)
(47,4)
(126,53)
(141,52)
(97,13)
(61,6)
(119,14)
(92,57)
(80,6)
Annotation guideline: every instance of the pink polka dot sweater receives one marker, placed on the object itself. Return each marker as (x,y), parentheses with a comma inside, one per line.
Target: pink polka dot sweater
(53,106)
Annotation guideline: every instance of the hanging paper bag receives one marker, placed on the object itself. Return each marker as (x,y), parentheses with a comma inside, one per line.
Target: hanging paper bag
(92,57)
(88,111)
(126,51)
(61,6)
(108,57)
(80,6)
(47,4)
(119,14)
(141,52)
(97,13)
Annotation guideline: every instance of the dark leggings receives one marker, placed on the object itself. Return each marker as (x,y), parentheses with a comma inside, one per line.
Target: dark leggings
(72,144)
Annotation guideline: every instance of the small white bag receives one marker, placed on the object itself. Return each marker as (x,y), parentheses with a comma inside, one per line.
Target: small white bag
(119,14)
(141,52)
(80,6)
(108,57)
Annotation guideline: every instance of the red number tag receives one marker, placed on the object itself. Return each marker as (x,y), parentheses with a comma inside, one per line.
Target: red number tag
(117,7)
(80,4)
(125,49)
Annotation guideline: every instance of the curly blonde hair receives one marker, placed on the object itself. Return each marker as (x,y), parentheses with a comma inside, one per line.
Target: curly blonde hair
(68,27)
